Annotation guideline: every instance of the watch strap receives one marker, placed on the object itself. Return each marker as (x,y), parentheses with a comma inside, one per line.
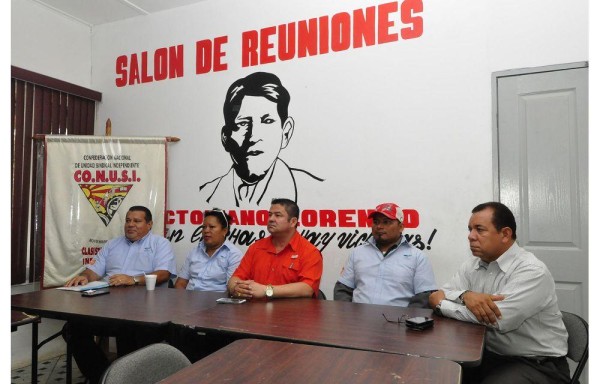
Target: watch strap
(438,308)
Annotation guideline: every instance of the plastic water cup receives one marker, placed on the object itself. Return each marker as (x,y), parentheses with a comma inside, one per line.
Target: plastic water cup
(150,282)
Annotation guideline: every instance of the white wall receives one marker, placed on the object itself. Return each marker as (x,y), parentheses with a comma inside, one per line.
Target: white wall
(407,121)
(49,43)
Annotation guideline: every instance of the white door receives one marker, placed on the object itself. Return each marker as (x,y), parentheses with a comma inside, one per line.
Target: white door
(541,134)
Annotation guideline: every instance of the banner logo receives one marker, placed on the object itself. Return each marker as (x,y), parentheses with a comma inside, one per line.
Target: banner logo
(105,198)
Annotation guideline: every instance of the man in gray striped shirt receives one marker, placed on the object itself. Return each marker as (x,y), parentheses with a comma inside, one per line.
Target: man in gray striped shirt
(510,291)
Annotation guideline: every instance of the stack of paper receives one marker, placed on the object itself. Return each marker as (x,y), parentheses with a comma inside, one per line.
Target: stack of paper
(92,285)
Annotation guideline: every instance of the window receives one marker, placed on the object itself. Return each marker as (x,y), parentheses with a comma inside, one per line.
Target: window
(40,105)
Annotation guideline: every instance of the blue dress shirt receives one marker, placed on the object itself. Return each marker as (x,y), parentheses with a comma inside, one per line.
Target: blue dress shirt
(210,273)
(148,254)
(389,280)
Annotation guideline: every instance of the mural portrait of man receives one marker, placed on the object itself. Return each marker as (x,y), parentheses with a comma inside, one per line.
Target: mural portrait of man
(257,127)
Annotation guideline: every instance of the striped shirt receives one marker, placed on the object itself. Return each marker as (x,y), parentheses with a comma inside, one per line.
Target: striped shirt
(531,323)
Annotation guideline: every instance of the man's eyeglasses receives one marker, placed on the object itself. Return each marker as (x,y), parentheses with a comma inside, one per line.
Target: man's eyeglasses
(222,212)
(400,320)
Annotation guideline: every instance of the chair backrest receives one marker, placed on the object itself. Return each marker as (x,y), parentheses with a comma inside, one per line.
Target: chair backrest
(146,365)
(321,295)
(578,342)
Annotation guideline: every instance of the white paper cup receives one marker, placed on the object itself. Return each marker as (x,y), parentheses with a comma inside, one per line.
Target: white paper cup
(150,282)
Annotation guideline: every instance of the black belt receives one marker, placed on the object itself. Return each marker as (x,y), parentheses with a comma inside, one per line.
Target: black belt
(544,359)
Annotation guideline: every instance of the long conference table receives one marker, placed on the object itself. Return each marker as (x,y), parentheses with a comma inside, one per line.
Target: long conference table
(304,321)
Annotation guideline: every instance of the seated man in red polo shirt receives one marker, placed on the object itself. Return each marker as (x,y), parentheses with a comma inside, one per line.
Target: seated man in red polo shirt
(284,264)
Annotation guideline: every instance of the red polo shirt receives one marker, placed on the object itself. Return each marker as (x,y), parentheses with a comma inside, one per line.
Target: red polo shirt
(299,261)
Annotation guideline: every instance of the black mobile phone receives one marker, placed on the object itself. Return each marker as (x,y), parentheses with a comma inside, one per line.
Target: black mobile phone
(95,292)
(419,323)
(229,300)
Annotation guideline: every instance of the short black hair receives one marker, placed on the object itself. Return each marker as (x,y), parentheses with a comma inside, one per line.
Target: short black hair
(221,215)
(261,84)
(290,206)
(141,208)
(502,216)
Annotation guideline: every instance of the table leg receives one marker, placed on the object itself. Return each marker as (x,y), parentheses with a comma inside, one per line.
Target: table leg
(69,363)
(34,352)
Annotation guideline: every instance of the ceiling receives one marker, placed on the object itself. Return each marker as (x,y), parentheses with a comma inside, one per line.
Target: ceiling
(96,12)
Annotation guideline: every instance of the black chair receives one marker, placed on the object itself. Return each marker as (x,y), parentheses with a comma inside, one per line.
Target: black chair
(146,365)
(321,295)
(578,342)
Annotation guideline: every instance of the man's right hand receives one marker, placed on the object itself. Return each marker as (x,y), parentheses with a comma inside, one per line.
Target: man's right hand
(77,280)
(483,306)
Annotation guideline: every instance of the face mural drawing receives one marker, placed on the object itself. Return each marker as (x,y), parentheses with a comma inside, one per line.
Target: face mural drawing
(256,138)
(257,126)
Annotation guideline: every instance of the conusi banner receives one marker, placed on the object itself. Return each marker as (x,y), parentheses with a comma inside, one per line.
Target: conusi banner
(90,184)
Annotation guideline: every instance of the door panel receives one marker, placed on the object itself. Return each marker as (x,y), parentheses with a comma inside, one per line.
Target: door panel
(542,138)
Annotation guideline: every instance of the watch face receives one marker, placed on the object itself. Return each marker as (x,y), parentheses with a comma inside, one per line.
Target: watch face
(269,291)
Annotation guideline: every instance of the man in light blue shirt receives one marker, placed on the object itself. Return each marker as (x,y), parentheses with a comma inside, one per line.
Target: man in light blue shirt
(122,261)
(386,269)
(126,259)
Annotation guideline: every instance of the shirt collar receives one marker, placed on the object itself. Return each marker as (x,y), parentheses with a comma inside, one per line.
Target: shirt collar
(293,243)
(225,244)
(254,191)
(504,261)
(140,240)
(507,258)
(396,245)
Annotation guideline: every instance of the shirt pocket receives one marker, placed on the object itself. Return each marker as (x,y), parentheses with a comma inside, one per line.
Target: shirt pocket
(144,261)
(399,271)
(218,270)
(290,270)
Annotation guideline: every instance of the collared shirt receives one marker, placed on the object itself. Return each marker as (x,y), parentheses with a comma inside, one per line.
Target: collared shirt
(531,323)
(281,180)
(299,261)
(391,279)
(210,273)
(148,254)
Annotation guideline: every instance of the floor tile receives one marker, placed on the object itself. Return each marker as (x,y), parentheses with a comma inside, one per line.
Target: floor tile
(51,371)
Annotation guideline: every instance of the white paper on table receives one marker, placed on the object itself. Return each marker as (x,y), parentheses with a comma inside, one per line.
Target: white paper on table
(88,286)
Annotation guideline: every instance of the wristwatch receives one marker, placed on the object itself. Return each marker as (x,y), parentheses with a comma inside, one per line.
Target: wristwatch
(461,299)
(269,291)
(136,281)
(438,308)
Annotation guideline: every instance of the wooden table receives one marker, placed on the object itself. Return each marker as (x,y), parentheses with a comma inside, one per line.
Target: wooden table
(130,304)
(18,318)
(345,325)
(262,361)
(307,321)
(126,304)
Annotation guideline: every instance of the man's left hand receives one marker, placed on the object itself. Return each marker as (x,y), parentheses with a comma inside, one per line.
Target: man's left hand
(483,306)
(435,298)
(249,289)
(121,280)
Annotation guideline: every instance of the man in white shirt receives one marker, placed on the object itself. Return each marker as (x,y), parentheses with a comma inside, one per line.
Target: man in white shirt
(512,292)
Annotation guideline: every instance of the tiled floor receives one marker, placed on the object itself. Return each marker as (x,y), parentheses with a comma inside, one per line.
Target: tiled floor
(53,371)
